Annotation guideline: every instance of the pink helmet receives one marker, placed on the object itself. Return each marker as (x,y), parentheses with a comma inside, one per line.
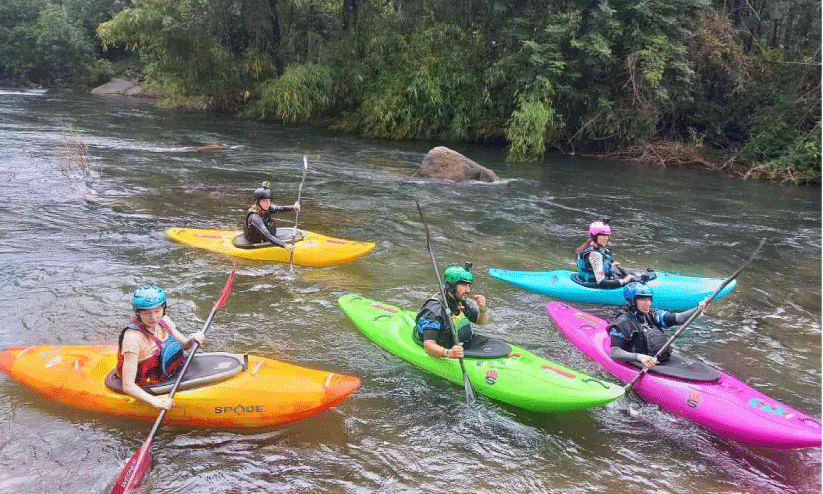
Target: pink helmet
(599,228)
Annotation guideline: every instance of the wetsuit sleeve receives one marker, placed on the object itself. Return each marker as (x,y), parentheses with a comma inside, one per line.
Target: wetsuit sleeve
(669,319)
(596,261)
(471,310)
(429,322)
(618,338)
(280,209)
(618,353)
(258,224)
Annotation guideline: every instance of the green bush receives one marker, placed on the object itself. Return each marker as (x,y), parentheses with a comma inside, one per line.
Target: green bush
(300,94)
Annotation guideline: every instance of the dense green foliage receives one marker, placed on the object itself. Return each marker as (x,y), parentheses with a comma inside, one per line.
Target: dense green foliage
(739,79)
(50,43)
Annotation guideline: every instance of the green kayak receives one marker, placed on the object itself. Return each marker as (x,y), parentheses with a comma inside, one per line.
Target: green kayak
(518,377)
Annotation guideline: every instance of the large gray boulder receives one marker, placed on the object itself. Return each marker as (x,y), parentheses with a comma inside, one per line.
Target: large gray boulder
(120,87)
(442,162)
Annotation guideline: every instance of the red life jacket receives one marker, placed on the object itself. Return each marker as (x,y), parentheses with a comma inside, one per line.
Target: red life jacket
(151,370)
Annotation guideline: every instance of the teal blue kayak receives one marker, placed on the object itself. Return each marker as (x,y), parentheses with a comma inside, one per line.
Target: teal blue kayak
(671,291)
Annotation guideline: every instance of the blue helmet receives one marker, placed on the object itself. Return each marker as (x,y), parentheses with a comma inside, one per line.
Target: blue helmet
(634,289)
(148,297)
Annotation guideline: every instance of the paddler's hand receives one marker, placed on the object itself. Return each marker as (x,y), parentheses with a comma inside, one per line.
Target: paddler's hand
(627,279)
(455,352)
(647,360)
(481,302)
(296,206)
(163,402)
(198,337)
(702,305)
(289,247)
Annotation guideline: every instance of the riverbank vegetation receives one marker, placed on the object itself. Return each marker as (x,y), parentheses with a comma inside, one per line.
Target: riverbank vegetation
(726,84)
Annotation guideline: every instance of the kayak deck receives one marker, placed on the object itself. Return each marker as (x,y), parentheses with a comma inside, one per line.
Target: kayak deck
(672,292)
(313,250)
(267,393)
(521,378)
(725,406)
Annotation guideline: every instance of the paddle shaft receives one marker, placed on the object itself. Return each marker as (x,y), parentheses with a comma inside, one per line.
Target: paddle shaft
(444,301)
(297,213)
(691,318)
(132,468)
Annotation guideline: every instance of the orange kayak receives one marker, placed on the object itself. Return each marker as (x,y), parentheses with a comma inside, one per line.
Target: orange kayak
(219,389)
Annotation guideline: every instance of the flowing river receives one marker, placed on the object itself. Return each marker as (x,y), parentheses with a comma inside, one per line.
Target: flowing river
(79,232)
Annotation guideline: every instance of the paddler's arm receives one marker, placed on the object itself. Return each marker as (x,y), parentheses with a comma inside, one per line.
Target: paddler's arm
(430,328)
(669,319)
(618,339)
(596,261)
(435,350)
(186,341)
(130,360)
(260,226)
(284,209)
(482,310)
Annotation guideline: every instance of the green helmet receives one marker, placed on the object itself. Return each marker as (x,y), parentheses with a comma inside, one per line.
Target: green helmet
(457,274)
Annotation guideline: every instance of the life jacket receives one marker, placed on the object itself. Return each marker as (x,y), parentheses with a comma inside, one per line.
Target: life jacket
(251,233)
(645,334)
(461,324)
(168,357)
(584,268)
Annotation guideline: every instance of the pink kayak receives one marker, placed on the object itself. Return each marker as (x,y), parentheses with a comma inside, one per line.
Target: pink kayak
(702,394)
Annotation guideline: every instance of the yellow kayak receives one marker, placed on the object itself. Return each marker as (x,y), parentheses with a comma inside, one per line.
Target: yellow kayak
(311,249)
(219,389)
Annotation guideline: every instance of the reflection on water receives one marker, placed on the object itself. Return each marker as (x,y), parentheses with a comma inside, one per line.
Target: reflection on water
(74,244)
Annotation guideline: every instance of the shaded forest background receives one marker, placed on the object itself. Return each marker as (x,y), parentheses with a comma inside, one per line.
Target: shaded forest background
(726,84)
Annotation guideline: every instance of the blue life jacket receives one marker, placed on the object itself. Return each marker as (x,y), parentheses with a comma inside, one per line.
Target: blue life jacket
(584,268)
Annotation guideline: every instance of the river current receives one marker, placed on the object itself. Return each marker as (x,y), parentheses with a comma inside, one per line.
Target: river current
(90,184)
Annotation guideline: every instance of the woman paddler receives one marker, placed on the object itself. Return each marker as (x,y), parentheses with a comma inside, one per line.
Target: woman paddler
(150,349)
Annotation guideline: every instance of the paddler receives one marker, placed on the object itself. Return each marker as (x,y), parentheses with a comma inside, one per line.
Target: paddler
(639,332)
(431,329)
(594,259)
(150,349)
(259,225)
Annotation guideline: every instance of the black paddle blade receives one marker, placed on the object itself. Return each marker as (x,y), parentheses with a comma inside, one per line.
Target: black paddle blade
(134,471)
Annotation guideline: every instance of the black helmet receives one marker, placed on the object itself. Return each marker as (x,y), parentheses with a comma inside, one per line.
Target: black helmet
(263,192)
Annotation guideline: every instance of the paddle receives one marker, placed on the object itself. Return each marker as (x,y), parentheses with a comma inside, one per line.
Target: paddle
(139,464)
(466,383)
(694,316)
(297,213)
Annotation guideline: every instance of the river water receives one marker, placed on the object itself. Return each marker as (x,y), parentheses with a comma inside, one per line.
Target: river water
(78,236)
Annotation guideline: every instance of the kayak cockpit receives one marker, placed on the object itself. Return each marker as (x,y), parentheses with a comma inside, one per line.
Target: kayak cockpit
(681,367)
(283,234)
(205,369)
(645,275)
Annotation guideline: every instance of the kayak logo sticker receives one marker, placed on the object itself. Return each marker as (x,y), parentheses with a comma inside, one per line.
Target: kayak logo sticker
(765,407)
(240,409)
(558,371)
(694,400)
(383,307)
(491,376)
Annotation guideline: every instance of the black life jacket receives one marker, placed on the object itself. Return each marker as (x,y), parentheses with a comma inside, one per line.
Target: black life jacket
(645,335)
